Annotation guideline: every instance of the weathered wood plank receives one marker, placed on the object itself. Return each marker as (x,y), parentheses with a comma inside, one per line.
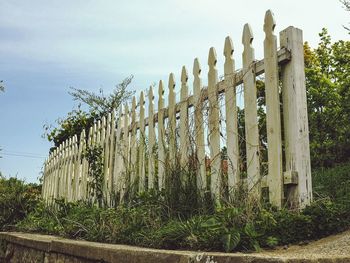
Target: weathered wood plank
(118,157)
(107,144)
(172,120)
(231,118)
(151,140)
(273,115)
(184,130)
(251,116)
(133,144)
(125,180)
(161,136)
(111,157)
(199,129)
(214,126)
(142,140)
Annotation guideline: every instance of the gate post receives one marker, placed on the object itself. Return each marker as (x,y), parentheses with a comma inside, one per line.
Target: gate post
(296,130)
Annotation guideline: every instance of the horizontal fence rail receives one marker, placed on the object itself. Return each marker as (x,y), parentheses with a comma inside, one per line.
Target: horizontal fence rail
(207,132)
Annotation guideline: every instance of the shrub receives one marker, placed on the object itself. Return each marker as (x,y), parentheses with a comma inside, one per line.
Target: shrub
(17,200)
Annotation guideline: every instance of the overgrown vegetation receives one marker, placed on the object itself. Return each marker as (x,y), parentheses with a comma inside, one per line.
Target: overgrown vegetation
(17,200)
(93,155)
(95,106)
(152,220)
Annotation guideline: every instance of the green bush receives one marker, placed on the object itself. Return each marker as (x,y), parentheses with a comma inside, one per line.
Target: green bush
(333,183)
(17,200)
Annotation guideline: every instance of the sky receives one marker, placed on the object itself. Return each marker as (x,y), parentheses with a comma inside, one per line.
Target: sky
(46,47)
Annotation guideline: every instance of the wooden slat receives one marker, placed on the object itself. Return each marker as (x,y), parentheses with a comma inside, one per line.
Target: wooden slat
(251,115)
(273,115)
(107,144)
(111,157)
(151,140)
(172,120)
(199,128)
(118,156)
(214,126)
(133,145)
(184,131)
(85,165)
(142,139)
(79,166)
(161,136)
(125,182)
(231,118)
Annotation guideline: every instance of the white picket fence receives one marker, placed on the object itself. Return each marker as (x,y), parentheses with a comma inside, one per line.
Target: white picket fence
(140,148)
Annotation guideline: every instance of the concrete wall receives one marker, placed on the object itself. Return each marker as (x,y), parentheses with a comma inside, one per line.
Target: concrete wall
(21,247)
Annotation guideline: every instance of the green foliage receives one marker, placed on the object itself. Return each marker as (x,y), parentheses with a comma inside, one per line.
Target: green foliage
(93,155)
(101,103)
(76,121)
(332,183)
(346,5)
(327,70)
(17,200)
(79,119)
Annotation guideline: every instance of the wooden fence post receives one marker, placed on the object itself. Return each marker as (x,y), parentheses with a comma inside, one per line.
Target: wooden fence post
(295,119)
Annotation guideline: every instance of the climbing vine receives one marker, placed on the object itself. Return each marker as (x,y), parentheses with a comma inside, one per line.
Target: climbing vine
(94,157)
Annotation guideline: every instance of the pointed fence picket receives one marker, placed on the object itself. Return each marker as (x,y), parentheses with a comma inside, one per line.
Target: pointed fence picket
(142,142)
(231,116)
(184,131)
(151,139)
(161,137)
(199,129)
(140,152)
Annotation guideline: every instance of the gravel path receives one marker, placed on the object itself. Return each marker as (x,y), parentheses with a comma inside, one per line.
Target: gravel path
(337,246)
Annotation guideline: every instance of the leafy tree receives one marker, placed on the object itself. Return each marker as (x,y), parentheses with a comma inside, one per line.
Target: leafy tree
(79,119)
(327,70)
(346,5)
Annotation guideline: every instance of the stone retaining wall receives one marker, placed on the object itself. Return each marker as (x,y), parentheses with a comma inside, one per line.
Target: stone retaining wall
(23,247)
